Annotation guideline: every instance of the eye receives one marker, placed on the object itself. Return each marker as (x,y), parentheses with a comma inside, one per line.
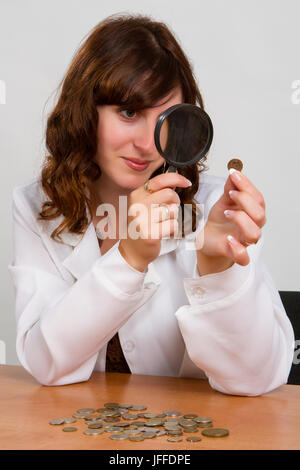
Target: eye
(128,114)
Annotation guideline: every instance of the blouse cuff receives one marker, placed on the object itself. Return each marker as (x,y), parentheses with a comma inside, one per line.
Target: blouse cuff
(209,288)
(120,273)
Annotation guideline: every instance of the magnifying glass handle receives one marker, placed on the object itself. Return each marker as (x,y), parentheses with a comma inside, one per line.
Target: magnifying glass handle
(172,169)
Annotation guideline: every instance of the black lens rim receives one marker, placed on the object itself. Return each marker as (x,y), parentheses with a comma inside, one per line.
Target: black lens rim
(160,122)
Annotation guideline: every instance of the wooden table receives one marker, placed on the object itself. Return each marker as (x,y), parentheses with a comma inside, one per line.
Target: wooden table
(271,421)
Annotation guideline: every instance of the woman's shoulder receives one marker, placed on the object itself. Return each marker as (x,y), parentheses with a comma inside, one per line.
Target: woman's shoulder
(27,199)
(29,195)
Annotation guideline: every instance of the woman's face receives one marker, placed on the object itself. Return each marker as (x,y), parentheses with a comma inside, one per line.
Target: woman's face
(123,135)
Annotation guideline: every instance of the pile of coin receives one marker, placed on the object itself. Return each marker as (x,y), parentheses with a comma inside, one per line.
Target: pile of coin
(120,421)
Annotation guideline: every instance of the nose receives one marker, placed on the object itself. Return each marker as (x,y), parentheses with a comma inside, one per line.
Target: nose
(144,137)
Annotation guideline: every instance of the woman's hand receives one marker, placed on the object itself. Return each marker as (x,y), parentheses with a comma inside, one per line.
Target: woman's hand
(154,222)
(234,223)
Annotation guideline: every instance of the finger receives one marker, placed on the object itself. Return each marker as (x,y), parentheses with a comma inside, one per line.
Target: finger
(250,232)
(165,229)
(239,252)
(250,205)
(167,180)
(242,183)
(160,212)
(165,196)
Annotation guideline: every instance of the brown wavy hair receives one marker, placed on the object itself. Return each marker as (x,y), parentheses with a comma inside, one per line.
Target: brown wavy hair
(127,60)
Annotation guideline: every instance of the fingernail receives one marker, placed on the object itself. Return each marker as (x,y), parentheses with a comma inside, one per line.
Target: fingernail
(235,174)
(188,182)
(233,193)
(228,213)
(232,240)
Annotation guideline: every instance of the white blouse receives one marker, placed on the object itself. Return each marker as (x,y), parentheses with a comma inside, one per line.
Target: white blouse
(229,327)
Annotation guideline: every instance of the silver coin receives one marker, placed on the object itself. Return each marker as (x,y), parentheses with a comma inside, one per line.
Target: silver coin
(95,426)
(138,407)
(150,415)
(111,405)
(125,406)
(187,423)
(154,422)
(174,433)
(57,421)
(118,437)
(202,419)
(80,415)
(137,423)
(85,410)
(110,414)
(93,432)
(190,416)
(172,413)
(132,431)
(136,438)
(161,433)
(148,434)
(129,416)
(69,420)
(194,439)
(172,427)
(116,430)
(69,429)
(174,439)
(172,420)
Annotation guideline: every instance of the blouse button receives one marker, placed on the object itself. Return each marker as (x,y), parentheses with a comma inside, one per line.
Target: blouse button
(197,291)
(129,346)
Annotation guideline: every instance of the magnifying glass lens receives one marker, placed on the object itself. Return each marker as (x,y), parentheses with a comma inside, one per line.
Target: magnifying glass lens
(184,134)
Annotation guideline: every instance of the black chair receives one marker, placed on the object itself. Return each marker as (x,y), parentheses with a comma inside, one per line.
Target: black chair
(291,302)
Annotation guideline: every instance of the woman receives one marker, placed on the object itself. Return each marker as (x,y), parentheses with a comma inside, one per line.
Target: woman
(145,305)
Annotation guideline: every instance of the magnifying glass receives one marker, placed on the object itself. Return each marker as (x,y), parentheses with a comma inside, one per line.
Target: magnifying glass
(183,135)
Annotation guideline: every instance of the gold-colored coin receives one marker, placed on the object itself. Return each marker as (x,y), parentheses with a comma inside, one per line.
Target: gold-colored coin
(236,164)
(69,429)
(215,432)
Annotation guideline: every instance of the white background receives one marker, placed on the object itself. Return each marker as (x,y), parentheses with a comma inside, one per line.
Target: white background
(245,55)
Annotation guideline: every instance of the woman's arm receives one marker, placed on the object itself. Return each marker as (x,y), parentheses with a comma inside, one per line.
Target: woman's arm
(62,327)
(236,328)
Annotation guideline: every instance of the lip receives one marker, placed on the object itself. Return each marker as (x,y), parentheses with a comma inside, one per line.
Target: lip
(136,160)
(135,164)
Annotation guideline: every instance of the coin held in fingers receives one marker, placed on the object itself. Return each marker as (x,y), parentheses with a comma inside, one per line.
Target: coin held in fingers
(236,164)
